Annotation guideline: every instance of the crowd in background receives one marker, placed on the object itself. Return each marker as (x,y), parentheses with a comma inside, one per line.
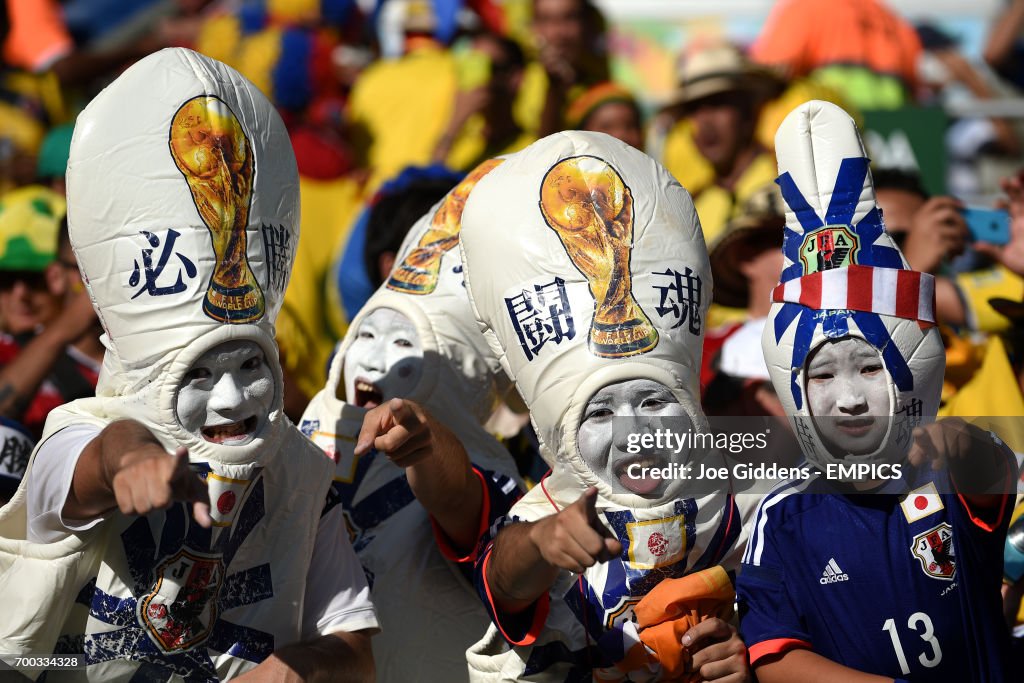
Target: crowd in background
(390,102)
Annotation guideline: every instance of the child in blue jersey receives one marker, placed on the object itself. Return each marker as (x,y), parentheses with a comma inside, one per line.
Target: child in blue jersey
(855,579)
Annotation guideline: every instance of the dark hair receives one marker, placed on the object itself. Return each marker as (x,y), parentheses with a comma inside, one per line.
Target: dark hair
(514,59)
(63,237)
(899,179)
(394,213)
(5,21)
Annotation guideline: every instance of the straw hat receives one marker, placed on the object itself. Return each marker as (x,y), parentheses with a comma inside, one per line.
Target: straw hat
(721,69)
(762,218)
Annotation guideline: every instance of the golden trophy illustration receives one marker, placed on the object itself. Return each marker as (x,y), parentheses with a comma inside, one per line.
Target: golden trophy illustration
(584,200)
(418,272)
(212,152)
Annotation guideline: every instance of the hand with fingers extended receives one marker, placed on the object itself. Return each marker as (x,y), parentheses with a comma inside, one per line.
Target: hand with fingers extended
(717,652)
(1011,255)
(937,234)
(575,538)
(979,464)
(402,430)
(150,479)
(942,441)
(436,465)
(528,556)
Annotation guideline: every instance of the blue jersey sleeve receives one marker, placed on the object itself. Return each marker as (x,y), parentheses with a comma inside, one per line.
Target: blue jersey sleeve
(500,493)
(770,621)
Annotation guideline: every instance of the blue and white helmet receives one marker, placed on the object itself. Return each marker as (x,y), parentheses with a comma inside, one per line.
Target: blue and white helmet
(843,276)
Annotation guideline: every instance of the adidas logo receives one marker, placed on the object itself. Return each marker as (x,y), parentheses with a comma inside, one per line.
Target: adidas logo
(832,574)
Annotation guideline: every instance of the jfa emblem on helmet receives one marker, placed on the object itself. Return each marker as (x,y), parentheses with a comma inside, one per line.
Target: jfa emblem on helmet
(180,611)
(934,550)
(833,246)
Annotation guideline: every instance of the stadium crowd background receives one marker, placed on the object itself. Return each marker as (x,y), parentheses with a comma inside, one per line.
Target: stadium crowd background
(388,102)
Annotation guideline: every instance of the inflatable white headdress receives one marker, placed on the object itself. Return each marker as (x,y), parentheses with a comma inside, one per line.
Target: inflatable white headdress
(844,277)
(185,222)
(586,266)
(459,379)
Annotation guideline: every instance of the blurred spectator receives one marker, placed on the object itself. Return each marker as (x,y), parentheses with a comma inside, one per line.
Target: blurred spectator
(608,108)
(1004,49)
(399,108)
(52,162)
(994,391)
(1012,254)
(979,149)
(746,264)
(720,97)
(29,223)
(21,132)
(929,230)
(483,123)
(288,50)
(390,18)
(40,63)
(51,352)
(366,258)
(571,55)
(861,47)
(949,67)
(36,37)
(38,41)
(672,140)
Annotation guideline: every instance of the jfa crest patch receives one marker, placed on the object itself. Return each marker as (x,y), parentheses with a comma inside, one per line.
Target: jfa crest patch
(833,246)
(182,608)
(934,549)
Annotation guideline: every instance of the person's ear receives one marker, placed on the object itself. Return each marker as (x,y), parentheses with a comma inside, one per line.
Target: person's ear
(385,262)
(56,279)
(745,257)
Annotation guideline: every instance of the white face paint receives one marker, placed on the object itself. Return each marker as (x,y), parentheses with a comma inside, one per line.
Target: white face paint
(385,361)
(226,395)
(636,406)
(847,383)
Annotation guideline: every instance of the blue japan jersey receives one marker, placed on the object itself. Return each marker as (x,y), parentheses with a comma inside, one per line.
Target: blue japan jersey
(906,586)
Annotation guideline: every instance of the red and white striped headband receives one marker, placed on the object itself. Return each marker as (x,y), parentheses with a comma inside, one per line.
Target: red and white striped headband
(885,291)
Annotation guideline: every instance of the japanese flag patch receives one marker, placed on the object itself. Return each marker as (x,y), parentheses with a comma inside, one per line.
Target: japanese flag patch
(921,502)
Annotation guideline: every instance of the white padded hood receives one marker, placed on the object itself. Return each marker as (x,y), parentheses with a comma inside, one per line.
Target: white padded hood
(185,219)
(843,276)
(586,266)
(459,383)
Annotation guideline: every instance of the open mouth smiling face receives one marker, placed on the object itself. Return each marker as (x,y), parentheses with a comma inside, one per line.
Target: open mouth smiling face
(635,406)
(226,396)
(384,361)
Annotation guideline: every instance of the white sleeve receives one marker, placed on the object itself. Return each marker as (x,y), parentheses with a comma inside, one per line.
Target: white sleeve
(50,482)
(337,596)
